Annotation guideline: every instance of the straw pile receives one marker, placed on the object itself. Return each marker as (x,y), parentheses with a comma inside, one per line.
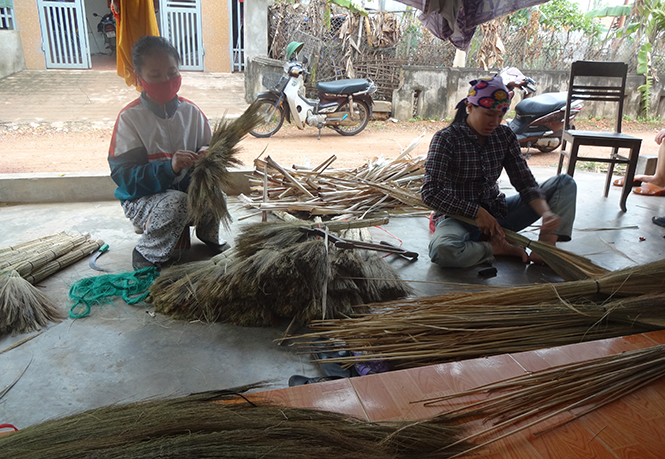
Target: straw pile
(391,185)
(276,271)
(194,426)
(458,326)
(522,402)
(23,308)
(211,171)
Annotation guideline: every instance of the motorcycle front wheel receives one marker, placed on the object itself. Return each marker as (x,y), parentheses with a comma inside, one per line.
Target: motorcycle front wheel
(273,119)
(361,112)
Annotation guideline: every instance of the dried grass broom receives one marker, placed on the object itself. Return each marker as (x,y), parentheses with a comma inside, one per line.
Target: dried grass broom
(536,397)
(198,426)
(23,308)
(211,171)
(568,265)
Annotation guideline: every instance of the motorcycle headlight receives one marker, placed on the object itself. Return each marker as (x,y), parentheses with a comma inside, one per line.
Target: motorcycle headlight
(295,71)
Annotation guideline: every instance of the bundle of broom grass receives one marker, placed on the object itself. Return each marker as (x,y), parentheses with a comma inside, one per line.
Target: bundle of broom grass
(521,402)
(276,272)
(457,326)
(470,331)
(211,171)
(23,307)
(199,426)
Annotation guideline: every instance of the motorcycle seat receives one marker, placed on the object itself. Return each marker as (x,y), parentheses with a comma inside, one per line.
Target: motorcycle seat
(542,104)
(343,86)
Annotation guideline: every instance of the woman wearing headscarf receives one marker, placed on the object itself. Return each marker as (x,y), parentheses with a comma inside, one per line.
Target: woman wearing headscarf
(464,163)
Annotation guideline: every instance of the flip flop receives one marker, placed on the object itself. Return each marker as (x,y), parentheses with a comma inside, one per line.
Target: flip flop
(299,380)
(619,182)
(660,221)
(649,189)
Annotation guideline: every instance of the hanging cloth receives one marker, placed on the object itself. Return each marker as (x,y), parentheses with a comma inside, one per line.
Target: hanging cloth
(439,16)
(135,19)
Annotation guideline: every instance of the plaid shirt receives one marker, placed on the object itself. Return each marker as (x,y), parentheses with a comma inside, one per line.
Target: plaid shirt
(461,176)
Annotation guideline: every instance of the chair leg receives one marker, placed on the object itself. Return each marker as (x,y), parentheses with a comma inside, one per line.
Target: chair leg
(561,156)
(630,175)
(608,178)
(573,158)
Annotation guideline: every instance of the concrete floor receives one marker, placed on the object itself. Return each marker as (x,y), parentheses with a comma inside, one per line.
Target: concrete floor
(121,353)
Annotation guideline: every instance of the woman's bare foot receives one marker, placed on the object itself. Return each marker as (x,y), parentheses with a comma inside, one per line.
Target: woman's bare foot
(547,238)
(651,179)
(502,247)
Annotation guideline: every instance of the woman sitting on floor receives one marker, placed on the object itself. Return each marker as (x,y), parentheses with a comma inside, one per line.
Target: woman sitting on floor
(461,172)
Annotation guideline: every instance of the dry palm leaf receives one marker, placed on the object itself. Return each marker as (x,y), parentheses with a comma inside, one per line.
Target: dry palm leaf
(211,171)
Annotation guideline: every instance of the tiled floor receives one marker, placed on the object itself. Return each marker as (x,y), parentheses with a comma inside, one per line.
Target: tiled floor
(631,427)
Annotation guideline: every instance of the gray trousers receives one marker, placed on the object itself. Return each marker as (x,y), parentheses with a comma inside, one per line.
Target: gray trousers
(455,244)
(163,217)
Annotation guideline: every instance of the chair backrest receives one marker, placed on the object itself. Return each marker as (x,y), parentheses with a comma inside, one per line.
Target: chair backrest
(611,89)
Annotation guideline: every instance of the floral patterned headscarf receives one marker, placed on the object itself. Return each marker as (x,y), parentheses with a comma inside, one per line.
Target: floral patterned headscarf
(489,93)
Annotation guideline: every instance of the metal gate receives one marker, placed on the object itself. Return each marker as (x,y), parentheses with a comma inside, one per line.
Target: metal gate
(237,20)
(64,35)
(181,25)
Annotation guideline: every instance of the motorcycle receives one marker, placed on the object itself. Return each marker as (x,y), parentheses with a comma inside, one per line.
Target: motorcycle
(343,105)
(538,120)
(106,26)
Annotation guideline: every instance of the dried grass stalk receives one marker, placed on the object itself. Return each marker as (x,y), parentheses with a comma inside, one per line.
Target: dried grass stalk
(455,326)
(211,171)
(23,308)
(536,397)
(194,426)
(566,264)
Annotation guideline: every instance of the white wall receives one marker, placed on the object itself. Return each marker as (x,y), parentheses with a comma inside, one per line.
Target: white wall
(11,53)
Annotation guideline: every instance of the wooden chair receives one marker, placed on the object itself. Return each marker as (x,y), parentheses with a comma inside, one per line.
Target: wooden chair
(604,82)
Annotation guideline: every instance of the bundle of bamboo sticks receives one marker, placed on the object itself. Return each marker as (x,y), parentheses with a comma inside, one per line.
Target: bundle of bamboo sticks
(458,326)
(39,258)
(391,185)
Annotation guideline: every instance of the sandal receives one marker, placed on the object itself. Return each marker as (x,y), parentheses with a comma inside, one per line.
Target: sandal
(660,221)
(649,189)
(619,182)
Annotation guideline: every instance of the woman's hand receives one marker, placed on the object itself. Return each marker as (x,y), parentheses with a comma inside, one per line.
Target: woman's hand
(488,224)
(182,159)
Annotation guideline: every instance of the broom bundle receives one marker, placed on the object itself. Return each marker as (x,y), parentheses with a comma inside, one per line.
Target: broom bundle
(456,326)
(470,331)
(23,308)
(200,426)
(211,171)
(279,272)
(536,397)
(35,259)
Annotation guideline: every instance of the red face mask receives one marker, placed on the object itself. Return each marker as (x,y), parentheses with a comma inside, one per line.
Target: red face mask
(161,92)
